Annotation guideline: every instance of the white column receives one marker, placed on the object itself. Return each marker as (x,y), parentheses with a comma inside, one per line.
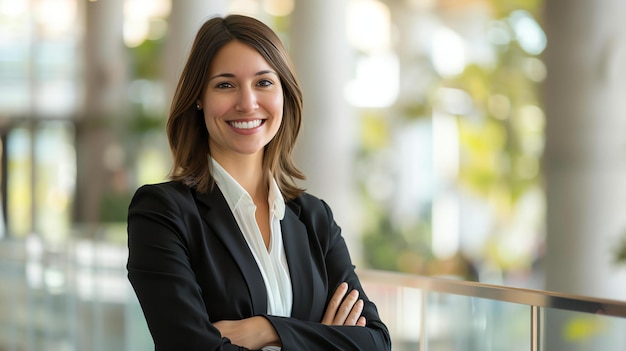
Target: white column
(184,21)
(105,57)
(585,158)
(104,100)
(326,145)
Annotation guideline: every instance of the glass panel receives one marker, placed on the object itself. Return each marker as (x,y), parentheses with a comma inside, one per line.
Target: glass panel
(55,174)
(408,331)
(19,182)
(55,75)
(576,331)
(14,56)
(40,200)
(12,287)
(401,310)
(463,323)
(73,297)
(39,58)
(137,335)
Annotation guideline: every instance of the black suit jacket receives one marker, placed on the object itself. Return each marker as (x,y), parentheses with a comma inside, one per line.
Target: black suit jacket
(190,266)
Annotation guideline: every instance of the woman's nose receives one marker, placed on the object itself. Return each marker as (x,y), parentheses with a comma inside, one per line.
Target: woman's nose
(247,100)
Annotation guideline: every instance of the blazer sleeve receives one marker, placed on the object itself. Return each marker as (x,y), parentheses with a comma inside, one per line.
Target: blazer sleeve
(313,336)
(162,276)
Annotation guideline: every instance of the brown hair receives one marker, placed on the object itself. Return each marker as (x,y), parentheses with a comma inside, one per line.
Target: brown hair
(186,130)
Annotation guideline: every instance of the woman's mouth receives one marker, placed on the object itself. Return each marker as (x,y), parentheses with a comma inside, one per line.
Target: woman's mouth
(246,124)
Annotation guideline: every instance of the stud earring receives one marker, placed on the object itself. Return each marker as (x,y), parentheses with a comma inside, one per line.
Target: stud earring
(198,107)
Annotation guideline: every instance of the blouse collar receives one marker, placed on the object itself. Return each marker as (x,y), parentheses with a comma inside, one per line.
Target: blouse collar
(236,195)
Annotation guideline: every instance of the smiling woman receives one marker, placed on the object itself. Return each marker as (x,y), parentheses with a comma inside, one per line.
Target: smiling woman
(231,254)
(243,104)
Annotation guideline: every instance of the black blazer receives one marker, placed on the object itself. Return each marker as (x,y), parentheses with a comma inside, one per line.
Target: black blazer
(190,265)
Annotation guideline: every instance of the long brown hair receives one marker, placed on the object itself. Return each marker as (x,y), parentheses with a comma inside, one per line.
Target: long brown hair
(186,130)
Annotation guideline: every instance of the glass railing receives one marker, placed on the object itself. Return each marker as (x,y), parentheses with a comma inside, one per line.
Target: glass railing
(75,296)
(426,313)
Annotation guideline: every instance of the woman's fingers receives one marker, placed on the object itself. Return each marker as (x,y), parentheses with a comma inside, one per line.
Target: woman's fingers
(334,303)
(344,308)
(361,322)
(355,313)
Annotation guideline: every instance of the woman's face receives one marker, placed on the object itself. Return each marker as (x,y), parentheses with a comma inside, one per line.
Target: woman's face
(242,102)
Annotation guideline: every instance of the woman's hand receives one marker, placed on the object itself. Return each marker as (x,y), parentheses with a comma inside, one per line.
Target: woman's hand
(256,332)
(344,308)
(252,333)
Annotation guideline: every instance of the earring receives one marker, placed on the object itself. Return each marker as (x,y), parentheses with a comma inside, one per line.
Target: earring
(198,107)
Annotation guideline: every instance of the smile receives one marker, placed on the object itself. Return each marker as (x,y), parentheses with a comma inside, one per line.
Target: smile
(246,124)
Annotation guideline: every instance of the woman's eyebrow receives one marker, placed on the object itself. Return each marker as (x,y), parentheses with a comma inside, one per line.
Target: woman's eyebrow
(222,75)
(230,75)
(267,71)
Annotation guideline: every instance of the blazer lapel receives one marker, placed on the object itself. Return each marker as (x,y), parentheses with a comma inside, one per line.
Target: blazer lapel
(222,224)
(297,250)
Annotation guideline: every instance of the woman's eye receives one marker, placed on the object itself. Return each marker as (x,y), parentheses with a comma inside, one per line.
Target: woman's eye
(265,83)
(224,85)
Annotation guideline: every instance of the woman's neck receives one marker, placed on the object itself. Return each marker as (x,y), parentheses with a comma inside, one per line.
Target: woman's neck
(248,172)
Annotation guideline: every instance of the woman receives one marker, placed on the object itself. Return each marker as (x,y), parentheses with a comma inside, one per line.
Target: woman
(231,254)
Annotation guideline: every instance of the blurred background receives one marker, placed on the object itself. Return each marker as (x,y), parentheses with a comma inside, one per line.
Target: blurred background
(480,140)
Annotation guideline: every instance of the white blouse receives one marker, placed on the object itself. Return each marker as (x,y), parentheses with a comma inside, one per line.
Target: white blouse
(272,262)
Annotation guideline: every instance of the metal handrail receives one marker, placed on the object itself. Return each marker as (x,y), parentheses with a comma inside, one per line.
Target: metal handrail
(539,298)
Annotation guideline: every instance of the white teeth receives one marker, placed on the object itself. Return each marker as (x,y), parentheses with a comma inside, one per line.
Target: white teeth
(246,124)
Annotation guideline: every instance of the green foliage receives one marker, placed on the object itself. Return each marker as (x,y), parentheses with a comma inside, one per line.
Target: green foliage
(390,249)
(504,8)
(114,206)
(501,142)
(141,123)
(620,253)
(145,62)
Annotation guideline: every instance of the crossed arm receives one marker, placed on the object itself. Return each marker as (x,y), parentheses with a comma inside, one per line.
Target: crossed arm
(256,332)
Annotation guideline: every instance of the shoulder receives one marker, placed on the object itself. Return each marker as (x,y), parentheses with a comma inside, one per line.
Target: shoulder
(310,208)
(318,218)
(306,202)
(166,192)
(172,188)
